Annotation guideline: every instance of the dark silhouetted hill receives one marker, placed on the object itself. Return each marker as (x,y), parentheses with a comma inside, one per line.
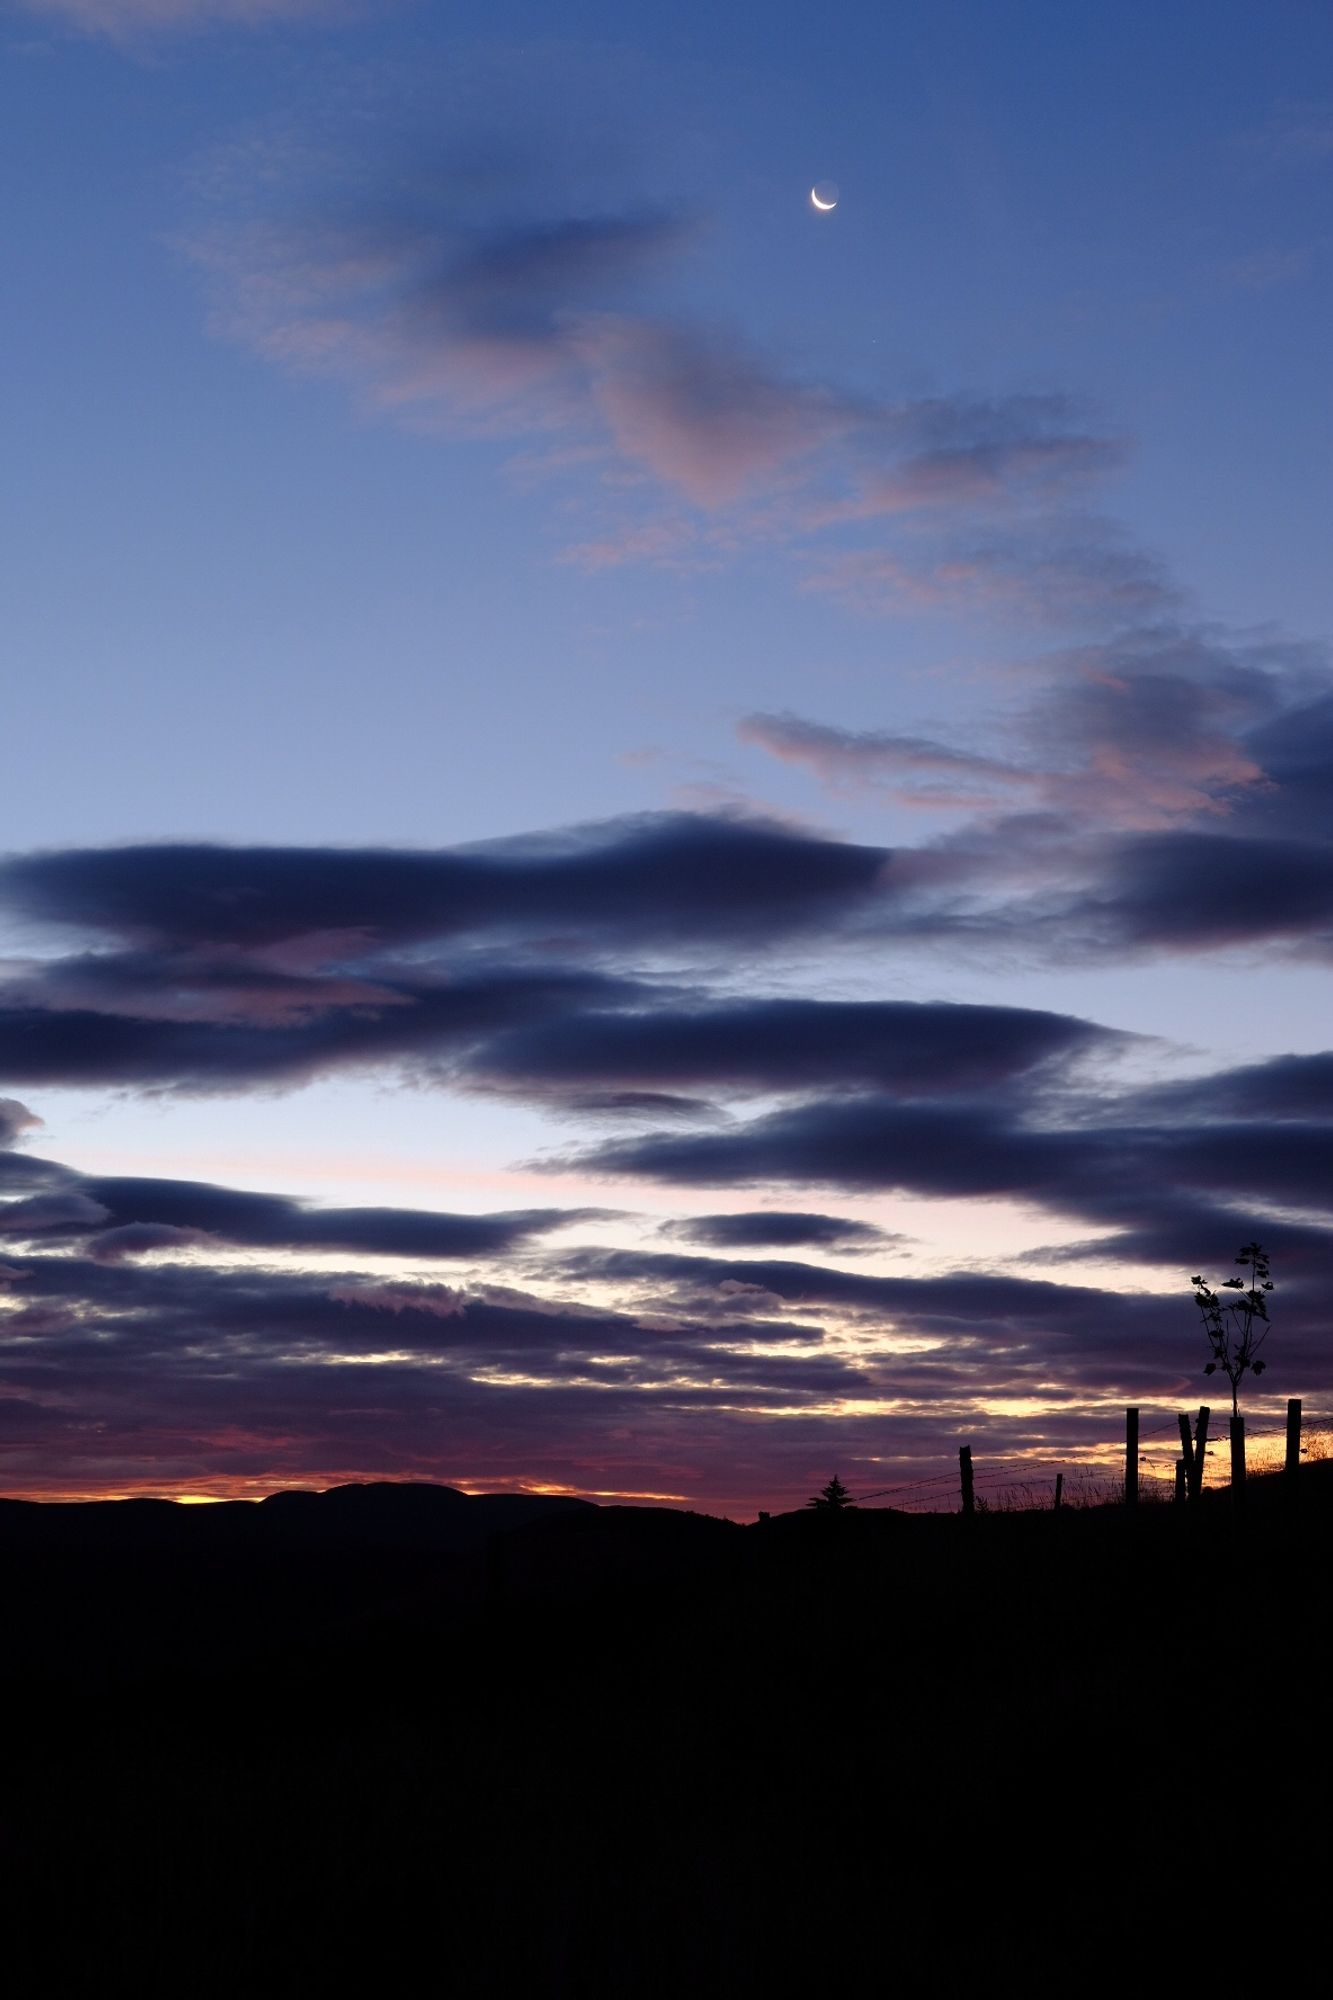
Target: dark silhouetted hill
(539,1747)
(386,1515)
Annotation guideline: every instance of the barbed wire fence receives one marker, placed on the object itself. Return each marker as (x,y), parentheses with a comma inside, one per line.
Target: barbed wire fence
(1095,1474)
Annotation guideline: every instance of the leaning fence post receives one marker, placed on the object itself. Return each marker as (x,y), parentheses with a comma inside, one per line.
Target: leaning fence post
(965,1469)
(1293,1464)
(1059,1489)
(1195,1462)
(1237,1457)
(1131,1458)
(1182,1489)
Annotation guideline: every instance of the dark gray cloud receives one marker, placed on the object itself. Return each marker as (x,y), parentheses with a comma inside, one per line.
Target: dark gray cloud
(1185,1189)
(121,1214)
(112,1217)
(1200,891)
(655,879)
(123,1039)
(869,1141)
(1264,875)
(780,1227)
(203,968)
(1281,1088)
(914,1048)
(516,968)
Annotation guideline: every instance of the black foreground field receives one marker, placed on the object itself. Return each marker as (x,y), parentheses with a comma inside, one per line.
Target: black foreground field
(390,1740)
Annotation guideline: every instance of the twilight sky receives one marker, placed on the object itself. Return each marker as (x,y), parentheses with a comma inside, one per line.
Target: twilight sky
(656,844)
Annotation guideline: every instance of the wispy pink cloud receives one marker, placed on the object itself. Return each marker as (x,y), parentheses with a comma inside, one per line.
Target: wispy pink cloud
(916,769)
(436,305)
(1142,733)
(1057,571)
(703,415)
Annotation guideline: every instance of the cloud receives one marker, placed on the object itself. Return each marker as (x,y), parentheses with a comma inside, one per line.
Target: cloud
(65,1212)
(170,1376)
(428,1023)
(124,17)
(205,968)
(1162,793)
(1159,1172)
(1060,571)
(265,1376)
(703,416)
(138,1239)
(910,1047)
(1199,891)
(784,1227)
(984,455)
(527,324)
(435,299)
(634,1368)
(1289,1086)
(914,767)
(1155,725)
(120,1216)
(461,290)
(651,877)
(15,1119)
(438,1301)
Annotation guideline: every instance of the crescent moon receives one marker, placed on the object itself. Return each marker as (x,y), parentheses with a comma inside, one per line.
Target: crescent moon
(825,206)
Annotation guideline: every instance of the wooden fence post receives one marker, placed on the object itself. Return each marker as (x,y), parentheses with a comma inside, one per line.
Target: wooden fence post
(1193,1450)
(1237,1458)
(1059,1490)
(1182,1488)
(1293,1464)
(965,1469)
(1185,1463)
(1131,1458)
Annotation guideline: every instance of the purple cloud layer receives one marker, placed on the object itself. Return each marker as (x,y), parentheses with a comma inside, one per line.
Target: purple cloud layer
(1168,796)
(133,1357)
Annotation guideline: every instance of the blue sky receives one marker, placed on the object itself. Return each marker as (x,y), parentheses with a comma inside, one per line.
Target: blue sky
(429,428)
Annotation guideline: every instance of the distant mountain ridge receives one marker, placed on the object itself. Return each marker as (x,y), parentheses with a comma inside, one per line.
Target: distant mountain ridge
(383,1515)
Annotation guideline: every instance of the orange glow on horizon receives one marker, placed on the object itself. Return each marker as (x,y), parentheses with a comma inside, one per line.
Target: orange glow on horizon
(255,1490)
